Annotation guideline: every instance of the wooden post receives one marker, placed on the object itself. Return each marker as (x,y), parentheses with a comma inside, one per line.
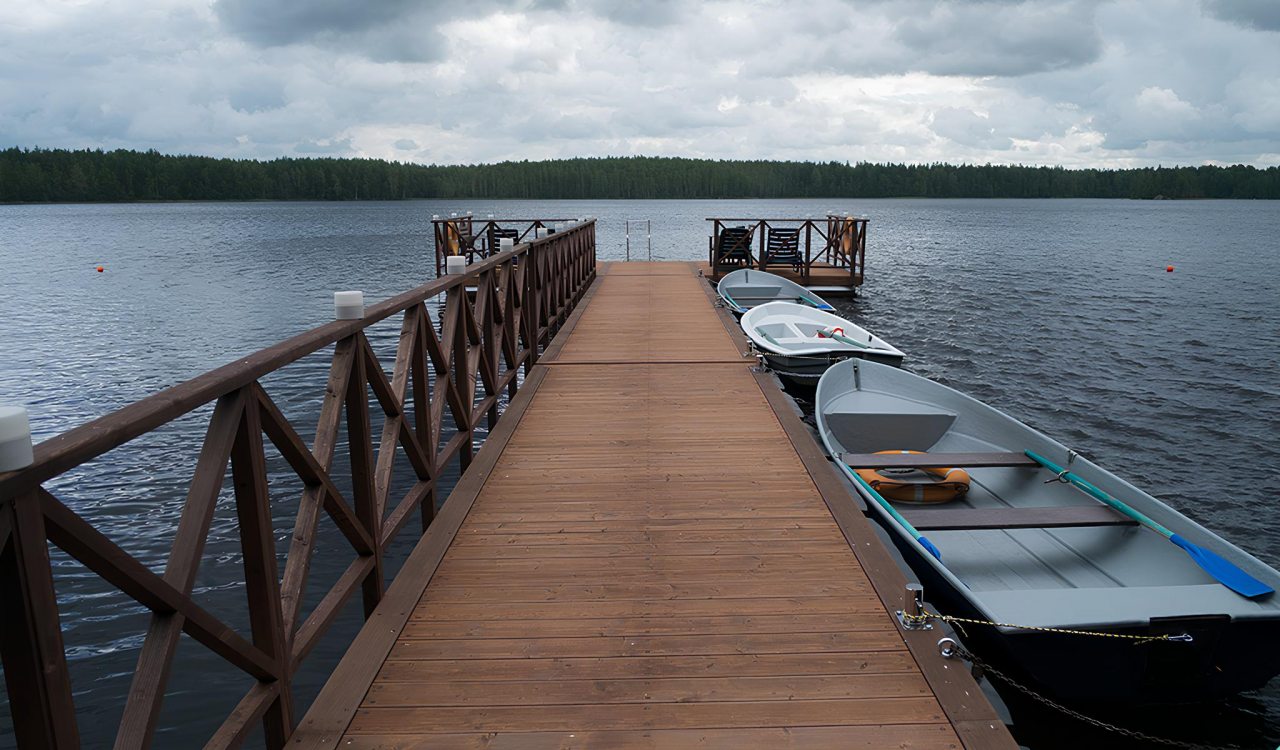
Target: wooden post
(360,449)
(464,378)
(262,584)
(531,307)
(759,229)
(35,664)
(808,252)
(422,416)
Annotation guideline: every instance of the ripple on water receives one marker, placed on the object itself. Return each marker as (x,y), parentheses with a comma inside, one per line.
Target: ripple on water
(1058,312)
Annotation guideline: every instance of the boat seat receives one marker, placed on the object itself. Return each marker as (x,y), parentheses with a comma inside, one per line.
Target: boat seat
(942,519)
(935,460)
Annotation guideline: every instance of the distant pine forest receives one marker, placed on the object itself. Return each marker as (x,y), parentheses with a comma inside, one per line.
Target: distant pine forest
(57,175)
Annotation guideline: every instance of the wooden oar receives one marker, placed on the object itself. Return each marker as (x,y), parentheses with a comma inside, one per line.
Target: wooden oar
(896,515)
(1226,573)
(814,304)
(734,302)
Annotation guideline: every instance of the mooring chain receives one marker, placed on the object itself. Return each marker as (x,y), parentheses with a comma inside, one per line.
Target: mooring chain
(950,649)
(916,621)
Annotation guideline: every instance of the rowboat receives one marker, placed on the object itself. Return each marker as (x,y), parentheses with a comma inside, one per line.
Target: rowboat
(746,288)
(801,342)
(1043,540)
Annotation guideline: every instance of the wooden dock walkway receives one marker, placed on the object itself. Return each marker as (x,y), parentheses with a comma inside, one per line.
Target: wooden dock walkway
(649,551)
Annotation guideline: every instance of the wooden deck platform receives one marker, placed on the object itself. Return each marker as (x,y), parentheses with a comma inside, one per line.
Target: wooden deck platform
(649,551)
(825,280)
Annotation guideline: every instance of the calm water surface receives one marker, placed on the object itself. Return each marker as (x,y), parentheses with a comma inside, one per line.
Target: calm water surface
(1058,312)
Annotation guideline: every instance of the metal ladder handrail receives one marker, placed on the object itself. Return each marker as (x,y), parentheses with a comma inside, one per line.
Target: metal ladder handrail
(648,233)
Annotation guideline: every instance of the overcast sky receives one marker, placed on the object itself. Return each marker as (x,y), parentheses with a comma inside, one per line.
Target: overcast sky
(1070,82)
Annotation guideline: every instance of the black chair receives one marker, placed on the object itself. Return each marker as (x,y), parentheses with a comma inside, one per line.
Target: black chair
(733,248)
(497,234)
(783,247)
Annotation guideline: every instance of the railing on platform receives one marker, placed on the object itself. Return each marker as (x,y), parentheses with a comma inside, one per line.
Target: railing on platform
(484,339)
(476,239)
(837,243)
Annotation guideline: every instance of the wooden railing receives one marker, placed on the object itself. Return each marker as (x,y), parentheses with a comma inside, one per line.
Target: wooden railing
(495,317)
(477,239)
(835,242)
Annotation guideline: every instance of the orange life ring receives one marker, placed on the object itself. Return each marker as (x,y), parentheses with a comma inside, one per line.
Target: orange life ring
(947,484)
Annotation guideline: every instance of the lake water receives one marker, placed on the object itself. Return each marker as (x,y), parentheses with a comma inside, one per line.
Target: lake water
(1059,312)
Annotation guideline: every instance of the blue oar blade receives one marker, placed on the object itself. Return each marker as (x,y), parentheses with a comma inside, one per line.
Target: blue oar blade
(929,546)
(1226,573)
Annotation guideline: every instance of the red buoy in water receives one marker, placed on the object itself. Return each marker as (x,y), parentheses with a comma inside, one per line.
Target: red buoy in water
(1168,269)
(101,269)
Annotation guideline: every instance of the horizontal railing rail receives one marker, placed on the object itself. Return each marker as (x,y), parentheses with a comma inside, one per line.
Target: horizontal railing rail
(836,242)
(495,317)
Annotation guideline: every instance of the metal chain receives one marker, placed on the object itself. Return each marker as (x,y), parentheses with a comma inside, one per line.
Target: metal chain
(955,649)
(917,620)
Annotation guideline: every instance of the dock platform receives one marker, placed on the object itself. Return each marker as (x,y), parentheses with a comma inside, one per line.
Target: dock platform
(824,279)
(648,551)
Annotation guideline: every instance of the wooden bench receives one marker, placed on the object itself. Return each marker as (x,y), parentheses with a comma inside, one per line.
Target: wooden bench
(941,519)
(934,460)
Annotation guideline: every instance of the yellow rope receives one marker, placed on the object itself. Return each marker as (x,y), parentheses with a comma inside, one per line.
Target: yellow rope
(1138,639)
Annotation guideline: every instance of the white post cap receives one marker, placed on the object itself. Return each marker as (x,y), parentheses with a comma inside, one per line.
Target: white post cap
(455,264)
(348,305)
(506,243)
(15,439)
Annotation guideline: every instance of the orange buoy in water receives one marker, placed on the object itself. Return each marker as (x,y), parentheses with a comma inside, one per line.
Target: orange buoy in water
(101,269)
(1168,269)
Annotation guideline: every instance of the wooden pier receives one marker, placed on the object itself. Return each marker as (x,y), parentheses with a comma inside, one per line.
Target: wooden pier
(649,552)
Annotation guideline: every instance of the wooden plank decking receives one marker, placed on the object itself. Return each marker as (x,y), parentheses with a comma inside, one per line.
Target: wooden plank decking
(646,561)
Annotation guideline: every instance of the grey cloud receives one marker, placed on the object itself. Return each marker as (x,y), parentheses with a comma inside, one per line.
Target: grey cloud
(339,147)
(257,96)
(1055,81)
(1001,38)
(272,22)
(968,128)
(1257,14)
(654,13)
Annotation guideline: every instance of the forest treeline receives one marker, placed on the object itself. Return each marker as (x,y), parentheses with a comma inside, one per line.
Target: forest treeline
(58,175)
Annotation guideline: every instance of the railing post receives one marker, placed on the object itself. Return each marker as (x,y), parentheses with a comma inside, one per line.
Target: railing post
(35,663)
(464,378)
(531,309)
(808,251)
(760,262)
(360,449)
(262,582)
(422,413)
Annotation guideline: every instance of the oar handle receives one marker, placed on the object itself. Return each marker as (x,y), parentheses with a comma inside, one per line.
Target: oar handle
(924,542)
(1098,494)
(830,333)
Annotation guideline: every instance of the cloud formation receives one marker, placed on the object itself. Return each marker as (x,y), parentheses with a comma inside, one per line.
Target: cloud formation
(1071,82)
